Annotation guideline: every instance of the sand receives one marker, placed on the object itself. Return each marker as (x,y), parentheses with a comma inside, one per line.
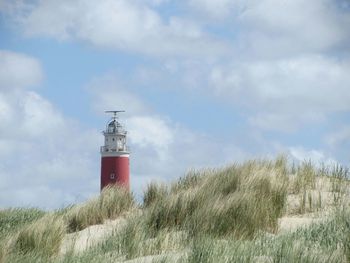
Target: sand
(318,205)
(90,236)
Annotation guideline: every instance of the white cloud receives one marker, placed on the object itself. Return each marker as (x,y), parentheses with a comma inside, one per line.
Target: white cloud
(341,136)
(6,112)
(155,2)
(218,9)
(185,150)
(317,157)
(285,93)
(124,25)
(338,142)
(47,197)
(108,93)
(273,28)
(43,153)
(295,25)
(282,72)
(40,117)
(146,129)
(150,132)
(26,112)
(18,71)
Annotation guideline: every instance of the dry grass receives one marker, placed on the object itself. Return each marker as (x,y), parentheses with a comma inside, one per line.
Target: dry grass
(153,193)
(229,214)
(40,240)
(112,202)
(43,236)
(240,199)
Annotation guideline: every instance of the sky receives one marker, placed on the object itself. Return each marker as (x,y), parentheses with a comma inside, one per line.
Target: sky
(204,83)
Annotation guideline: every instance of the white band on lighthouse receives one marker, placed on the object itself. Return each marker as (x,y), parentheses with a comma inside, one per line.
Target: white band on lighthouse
(115,154)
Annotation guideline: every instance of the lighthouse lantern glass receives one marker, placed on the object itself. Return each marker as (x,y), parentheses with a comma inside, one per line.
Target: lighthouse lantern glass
(115,137)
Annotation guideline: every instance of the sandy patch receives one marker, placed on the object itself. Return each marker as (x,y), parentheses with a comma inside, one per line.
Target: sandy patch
(168,257)
(293,223)
(92,235)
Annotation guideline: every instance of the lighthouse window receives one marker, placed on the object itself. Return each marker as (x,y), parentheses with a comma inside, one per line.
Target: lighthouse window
(112,176)
(113,139)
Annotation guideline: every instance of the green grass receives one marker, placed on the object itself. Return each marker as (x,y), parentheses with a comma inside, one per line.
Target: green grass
(110,204)
(227,214)
(240,199)
(13,219)
(153,193)
(43,236)
(325,242)
(33,236)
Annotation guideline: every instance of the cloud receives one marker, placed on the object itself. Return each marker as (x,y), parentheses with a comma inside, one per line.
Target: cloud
(122,25)
(278,68)
(317,157)
(108,92)
(286,93)
(287,67)
(28,196)
(294,26)
(18,71)
(43,153)
(272,28)
(339,137)
(42,150)
(150,132)
(161,149)
(187,150)
(218,9)
(338,142)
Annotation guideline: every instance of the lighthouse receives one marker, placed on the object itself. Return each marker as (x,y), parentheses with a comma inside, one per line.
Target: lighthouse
(114,154)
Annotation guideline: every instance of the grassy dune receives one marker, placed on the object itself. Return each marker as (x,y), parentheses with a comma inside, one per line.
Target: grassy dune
(229,214)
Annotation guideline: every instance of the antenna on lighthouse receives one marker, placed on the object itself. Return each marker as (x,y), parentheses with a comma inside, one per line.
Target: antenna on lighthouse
(115,113)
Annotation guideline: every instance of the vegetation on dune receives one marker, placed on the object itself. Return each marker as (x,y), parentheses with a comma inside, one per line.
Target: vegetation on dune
(39,237)
(112,202)
(228,214)
(237,200)
(43,236)
(154,192)
(13,219)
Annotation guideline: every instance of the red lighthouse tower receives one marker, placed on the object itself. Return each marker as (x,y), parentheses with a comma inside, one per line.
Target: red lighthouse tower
(114,154)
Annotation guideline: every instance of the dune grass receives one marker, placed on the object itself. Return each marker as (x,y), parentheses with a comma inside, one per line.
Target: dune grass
(324,242)
(43,236)
(111,203)
(33,236)
(237,200)
(13,219)
(227,214)
(153,193)
(40,239)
